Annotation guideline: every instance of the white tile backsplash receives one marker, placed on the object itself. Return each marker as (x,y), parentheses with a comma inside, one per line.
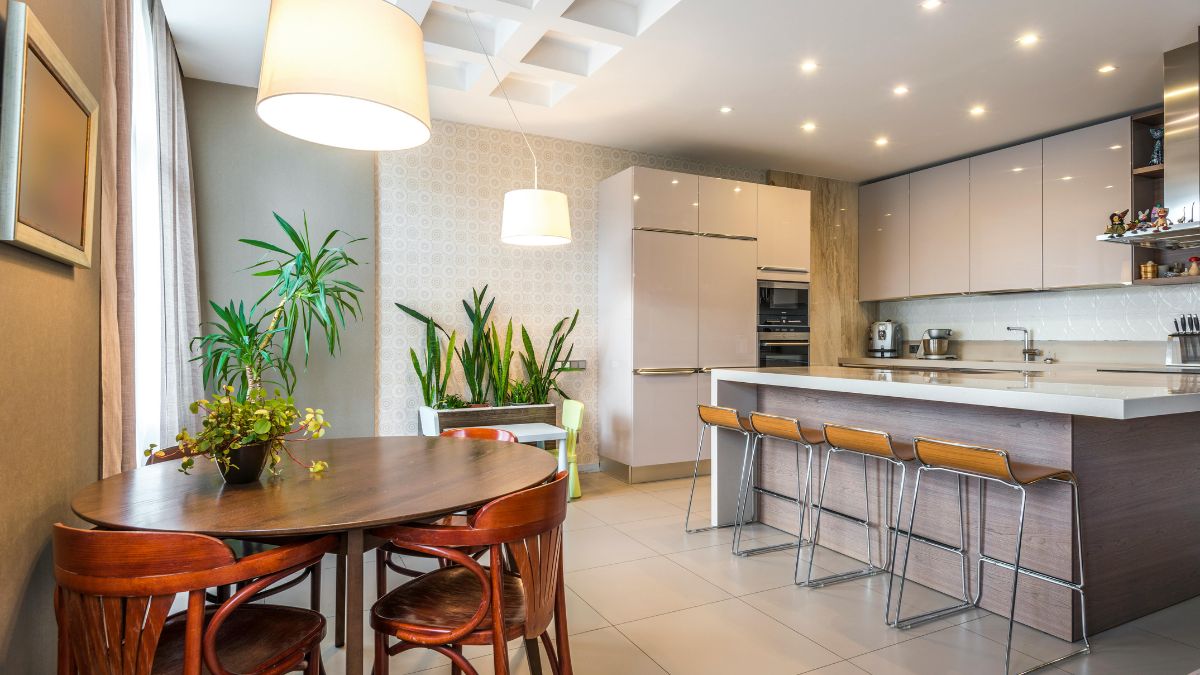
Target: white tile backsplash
(1128,313)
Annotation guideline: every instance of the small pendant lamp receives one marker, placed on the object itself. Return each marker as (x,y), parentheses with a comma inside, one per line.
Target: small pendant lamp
(532,217)
(350,74)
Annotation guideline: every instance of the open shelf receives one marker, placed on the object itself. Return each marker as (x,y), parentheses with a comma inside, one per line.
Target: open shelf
(1152,171)
(1166,281)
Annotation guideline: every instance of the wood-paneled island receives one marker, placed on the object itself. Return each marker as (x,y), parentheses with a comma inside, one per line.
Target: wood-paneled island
(1133,441)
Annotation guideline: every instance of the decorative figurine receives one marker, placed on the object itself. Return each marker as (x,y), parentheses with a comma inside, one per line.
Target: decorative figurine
(1156,155)
(1143,222)
(1116,224)
(1159,214)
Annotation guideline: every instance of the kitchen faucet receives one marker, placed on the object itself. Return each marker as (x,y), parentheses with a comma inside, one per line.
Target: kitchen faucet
(1028,353)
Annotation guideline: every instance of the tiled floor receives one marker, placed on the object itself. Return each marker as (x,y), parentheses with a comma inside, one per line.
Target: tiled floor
(646,599)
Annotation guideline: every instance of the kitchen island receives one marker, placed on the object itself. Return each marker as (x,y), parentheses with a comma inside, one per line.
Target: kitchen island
(1131,439)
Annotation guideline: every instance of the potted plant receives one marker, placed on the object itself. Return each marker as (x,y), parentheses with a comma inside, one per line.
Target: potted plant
(473,354)
(543,375)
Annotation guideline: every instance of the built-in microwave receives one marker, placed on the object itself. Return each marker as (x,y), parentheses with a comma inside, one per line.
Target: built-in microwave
(783,323)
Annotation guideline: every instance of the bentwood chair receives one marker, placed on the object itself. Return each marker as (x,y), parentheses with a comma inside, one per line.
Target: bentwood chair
(992,465)
(480,434)
(115,591)
(515,596)
(244,547)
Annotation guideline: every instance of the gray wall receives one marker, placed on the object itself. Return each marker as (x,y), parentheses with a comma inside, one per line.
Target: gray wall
(244,170)
(49,390)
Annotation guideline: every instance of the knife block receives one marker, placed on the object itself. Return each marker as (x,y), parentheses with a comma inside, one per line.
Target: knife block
(1183,349)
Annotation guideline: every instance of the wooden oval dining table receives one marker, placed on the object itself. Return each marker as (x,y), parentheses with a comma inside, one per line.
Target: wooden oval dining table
(370,482)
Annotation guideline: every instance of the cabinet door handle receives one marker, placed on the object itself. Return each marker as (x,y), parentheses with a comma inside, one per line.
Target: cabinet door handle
(791,343)
(665,371)
(772,268)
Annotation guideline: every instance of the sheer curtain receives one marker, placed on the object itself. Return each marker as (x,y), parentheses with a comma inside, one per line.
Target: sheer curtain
(166,306)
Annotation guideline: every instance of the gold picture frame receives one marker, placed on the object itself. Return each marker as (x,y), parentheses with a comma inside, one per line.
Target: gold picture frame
(48,129)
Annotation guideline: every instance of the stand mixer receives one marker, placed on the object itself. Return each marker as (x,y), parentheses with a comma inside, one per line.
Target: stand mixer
(935,344)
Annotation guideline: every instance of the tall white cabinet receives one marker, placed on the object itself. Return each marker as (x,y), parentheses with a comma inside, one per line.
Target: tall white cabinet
(679,258)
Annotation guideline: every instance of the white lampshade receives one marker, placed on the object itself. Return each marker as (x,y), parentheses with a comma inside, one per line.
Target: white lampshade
(535,218)
(349,73)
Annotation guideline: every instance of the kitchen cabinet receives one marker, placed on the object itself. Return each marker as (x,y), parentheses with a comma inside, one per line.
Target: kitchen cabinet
(664,420)
(728,303)
(1006,219)
(939,216)
(728,207)
(784,220)
(665,200)
(665,293)
(1085,177)
(883,239)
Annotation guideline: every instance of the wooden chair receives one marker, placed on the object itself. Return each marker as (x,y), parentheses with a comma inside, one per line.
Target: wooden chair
(115,590)
(470,604)
(481,434)
(245,547)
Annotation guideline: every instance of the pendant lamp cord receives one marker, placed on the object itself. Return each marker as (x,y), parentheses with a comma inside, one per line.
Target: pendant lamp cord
(506,99)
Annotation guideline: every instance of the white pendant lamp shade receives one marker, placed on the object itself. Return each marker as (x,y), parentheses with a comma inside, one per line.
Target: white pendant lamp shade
(535,218)
(346,73)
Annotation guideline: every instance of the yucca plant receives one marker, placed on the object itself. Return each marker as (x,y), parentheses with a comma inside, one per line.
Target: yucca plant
(240,352)
(434,373)
(499,356)
(473,353)
(543,375)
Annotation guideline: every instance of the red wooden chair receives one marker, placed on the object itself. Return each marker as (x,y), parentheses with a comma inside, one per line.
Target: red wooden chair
(481,434)
(470,604)
(115,590)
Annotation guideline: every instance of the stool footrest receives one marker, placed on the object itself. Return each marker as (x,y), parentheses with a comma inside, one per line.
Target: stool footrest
(912,621)
(1031,573)
(707,528)
(777,495)
(1086,649)
(868,571)
(774,547)
(901,532)
(839,514)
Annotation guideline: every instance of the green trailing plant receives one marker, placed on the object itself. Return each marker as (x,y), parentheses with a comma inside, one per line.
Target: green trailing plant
(520,391)
(543,375)
(499,356)
(434,372)
(452,402)
(472,354)
(230,423)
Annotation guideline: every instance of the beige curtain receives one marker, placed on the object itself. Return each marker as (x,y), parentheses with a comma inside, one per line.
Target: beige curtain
(181,381)
(116,246)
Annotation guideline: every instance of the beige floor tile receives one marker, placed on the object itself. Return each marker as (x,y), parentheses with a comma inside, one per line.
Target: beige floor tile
(919,599)
(642,588)
(581,617)
(598,652)
(679,497)
(1126,649)
(951,651)
(578,519)
(1030,641)
(596,484)
(699,641)
(624,508)
(702,484)
(741,575)
(598,546)
(847,618)
(843,668)
(1179,622)
(666,535)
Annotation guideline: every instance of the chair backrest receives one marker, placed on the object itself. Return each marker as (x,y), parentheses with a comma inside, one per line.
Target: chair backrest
(726,418)
(973,459)
(115,590)
(481,434)
(878,443)
(776,426)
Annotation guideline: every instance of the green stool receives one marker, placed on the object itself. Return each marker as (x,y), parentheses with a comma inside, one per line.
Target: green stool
(572,420)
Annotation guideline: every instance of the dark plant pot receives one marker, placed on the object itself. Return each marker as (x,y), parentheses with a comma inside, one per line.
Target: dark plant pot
(246,464)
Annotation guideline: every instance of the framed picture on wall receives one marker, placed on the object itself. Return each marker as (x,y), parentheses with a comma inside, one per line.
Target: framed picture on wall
(48,127)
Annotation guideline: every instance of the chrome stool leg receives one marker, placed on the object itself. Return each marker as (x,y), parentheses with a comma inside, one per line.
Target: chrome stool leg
(751,489)
(871,569)
(966,603)
(692,495)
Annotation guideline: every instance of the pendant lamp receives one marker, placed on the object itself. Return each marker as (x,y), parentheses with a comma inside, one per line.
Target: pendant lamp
(532,216)
(350,74)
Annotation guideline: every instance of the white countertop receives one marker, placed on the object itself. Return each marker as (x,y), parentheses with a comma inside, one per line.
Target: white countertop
(1093,394)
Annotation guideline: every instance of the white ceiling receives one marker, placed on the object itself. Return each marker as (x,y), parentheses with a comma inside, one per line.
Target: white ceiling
(650,75)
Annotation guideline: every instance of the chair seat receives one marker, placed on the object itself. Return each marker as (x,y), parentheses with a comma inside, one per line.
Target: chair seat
(1031,473)
(445,599)
(252,636)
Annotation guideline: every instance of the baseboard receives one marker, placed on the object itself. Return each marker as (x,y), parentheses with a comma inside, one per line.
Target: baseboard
(649,474)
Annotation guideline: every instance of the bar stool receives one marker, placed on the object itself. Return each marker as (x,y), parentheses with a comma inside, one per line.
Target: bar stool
(715,417)
(876,445)
(993,465)
(784,429)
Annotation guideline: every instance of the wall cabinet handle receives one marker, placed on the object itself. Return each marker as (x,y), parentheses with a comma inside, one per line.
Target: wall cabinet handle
(665,371)
(771,268)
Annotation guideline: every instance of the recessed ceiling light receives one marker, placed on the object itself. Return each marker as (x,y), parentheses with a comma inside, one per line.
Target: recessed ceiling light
(808,66)
(1106,68)
(1108,187)
(737,189)
(809,127)
(900,90)
(695,203)
(882,140)
(1067,177)
(931,4)
(887,214)
(675,182)
(978,110)
(1114,147)
(725,110)
(1028,39)
(1018,169)
(636,197)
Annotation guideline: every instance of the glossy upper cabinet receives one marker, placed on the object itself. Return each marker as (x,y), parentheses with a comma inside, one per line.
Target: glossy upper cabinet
(728,207)
(728,303)
(784,219)
(1006,219)
(665,200)
(665,296)
(883,239)
(1085,177)
(939,215)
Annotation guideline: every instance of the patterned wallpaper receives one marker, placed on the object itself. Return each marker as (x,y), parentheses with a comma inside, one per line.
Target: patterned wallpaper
(439,235)
(1129,313)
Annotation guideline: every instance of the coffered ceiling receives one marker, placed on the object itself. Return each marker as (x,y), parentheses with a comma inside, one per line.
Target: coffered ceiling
(654,75)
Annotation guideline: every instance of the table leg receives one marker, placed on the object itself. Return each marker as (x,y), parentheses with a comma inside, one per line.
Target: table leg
(354,602)
(339,602)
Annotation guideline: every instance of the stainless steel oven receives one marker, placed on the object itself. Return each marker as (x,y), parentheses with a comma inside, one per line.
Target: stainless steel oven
(783,323)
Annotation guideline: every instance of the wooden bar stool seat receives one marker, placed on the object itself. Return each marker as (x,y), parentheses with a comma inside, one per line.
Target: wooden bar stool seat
(993,465)
(713,417)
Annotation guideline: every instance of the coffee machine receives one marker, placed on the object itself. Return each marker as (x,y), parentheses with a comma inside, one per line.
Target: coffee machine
(884,340)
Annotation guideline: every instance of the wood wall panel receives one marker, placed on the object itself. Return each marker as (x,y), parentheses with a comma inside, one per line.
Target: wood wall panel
(839,321)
